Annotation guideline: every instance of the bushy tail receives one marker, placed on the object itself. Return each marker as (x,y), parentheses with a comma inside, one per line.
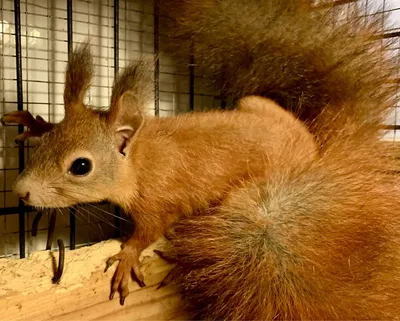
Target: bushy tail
(313,60)
(320,242)
(317,242)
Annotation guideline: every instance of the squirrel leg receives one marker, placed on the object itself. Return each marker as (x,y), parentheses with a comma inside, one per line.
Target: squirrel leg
(128,267)
(36,126)
(146,232)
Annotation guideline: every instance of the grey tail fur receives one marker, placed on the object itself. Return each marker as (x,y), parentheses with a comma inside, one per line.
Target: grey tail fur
(320,62)
(320,242)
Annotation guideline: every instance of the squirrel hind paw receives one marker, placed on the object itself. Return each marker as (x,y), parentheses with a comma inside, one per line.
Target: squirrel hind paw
(36,127)
(21,138)
(21,117)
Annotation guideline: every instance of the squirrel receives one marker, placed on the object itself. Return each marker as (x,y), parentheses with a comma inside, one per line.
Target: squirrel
(156,169)
(282,208)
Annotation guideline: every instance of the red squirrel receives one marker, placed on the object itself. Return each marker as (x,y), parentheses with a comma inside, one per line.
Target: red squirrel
(156,169)
(279,209)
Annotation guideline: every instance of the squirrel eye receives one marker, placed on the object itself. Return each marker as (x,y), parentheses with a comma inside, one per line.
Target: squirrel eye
(80,167)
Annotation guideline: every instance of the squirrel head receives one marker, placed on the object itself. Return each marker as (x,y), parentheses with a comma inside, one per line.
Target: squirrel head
(85,157)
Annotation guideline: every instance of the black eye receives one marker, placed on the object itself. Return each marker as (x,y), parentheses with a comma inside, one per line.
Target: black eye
(80,167)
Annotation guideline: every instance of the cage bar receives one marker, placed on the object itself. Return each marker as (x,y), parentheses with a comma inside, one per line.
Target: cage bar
(156,60)
(191,82)
(20,104)
(116,38)
(72,211)
(117,211)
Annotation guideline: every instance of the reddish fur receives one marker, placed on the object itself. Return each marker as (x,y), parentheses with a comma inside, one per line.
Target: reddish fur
(168,169)
(315,240)
(182,165)
(318,242)
(282,229)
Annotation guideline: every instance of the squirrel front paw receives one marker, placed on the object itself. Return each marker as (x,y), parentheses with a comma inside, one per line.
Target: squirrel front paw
(128,266)
(36,126)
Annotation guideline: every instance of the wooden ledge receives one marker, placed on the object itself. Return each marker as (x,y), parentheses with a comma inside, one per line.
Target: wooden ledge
(27,293)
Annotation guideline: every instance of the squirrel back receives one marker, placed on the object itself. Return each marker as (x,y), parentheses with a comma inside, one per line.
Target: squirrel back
(318,241)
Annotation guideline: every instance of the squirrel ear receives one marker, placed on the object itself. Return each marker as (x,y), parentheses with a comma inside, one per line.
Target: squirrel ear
(78,78)
(125,119)
(132,91)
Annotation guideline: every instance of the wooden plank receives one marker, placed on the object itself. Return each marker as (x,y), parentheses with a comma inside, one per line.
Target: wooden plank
(26,291)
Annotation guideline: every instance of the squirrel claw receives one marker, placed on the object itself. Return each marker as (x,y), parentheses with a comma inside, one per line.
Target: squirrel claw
(172,273)
(169,277)
(161,285)
(19,142)
(112,294)
(109,263)
(165,257)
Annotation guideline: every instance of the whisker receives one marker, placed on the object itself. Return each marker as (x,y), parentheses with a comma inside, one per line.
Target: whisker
(87,223)
(80,216)
(91,214)
(66,193)
(59,211)
(90,204)
(101,218)
(93,206)
(109,213)
(62,216)
(100,231)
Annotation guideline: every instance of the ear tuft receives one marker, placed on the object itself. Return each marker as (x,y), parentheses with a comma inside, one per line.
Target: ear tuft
(132,92)
(137,79)
(78,77)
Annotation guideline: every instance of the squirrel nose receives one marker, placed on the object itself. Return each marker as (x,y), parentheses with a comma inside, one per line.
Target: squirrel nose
(23,196)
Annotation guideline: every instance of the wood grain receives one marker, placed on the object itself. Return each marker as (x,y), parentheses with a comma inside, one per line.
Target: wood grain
(26,292)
